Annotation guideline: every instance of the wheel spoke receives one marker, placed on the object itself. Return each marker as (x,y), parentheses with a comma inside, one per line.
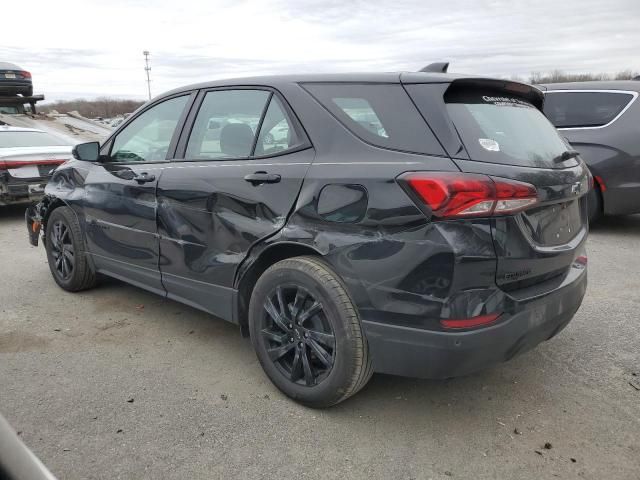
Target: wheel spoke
(275,337)
(295,366)
(325,339)
(321,353)
(306,367)
(68,254)
(275,316)
(298,302)
(278,352)
(64,235)
(283,310)
(310,312)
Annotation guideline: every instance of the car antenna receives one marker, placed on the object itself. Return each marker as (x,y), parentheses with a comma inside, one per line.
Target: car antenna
(437,67)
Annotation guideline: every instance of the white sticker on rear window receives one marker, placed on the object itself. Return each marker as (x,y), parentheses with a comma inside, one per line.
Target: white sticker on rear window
(489,144)
(506,101)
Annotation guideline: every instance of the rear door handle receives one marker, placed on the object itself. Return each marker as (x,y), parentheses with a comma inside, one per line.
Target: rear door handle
(144,177)
(259,178)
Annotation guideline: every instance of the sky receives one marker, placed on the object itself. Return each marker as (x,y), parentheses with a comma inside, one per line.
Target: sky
(91,48)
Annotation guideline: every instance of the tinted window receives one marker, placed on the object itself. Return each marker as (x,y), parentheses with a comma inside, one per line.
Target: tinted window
(584,109)
(380,114)
(29,139)
(277,133)
(147,137)
(226,124)
(498,127)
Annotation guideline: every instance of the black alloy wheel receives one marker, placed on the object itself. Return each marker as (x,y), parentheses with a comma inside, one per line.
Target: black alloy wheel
(300,340)
(62,250)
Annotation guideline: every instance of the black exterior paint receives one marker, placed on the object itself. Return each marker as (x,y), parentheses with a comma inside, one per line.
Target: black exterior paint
(200,233)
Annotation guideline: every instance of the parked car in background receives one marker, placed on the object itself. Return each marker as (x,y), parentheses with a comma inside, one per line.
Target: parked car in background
(28,157)
(417,224)
(15,80)
(601,120)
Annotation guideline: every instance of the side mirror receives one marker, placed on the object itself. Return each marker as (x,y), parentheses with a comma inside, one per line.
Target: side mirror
(88,152)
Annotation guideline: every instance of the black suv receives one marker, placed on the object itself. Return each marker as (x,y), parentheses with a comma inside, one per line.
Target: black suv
(601,120)
(417,224)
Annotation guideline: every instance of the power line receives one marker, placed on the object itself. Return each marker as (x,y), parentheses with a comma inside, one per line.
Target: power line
(147,68)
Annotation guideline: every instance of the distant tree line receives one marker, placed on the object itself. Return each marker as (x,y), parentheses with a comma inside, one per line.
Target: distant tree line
(557,76)
(105,107)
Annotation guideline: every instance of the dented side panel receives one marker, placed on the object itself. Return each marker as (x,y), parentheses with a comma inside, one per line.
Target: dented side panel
(209,217)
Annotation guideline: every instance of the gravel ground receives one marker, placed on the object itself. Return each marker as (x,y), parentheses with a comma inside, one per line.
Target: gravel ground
(118,383)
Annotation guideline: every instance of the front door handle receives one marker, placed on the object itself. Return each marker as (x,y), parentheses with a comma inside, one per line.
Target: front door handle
(144,177)
(258,178)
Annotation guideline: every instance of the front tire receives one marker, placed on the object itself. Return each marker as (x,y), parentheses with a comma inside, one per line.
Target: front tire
(66,253)
(307,334)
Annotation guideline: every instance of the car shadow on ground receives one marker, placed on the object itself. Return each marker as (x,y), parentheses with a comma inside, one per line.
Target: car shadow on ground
(11,213)
(617,224)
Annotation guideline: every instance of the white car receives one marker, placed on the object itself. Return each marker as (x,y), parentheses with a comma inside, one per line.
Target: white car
(28,158)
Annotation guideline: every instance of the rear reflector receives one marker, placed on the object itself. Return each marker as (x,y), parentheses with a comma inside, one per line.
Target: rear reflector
(472,322)
(451,195)
(5,164)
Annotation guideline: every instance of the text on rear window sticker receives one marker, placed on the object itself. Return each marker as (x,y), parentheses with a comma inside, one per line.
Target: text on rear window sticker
(506,101)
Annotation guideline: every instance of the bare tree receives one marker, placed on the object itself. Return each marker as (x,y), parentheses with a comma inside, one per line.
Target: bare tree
(104,107)
(557,76)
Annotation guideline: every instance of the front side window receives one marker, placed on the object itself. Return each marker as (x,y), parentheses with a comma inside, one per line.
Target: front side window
(148,136)
(226,124)
(584,109)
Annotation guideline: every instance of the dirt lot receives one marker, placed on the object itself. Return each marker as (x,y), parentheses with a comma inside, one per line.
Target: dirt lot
(118,383)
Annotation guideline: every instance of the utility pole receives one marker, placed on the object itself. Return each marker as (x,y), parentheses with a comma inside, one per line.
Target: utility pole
(147,68)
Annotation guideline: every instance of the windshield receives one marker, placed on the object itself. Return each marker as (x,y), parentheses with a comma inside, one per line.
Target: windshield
(501,128)
(29,139)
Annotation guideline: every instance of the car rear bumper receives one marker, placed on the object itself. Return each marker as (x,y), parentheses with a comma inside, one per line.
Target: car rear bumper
(415,352)
(14,87)
(26,192)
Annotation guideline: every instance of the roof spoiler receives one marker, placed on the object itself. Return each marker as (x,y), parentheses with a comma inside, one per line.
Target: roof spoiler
(437,67)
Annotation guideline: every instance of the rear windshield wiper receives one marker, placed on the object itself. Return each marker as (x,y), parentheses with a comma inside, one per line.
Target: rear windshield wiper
(564,156)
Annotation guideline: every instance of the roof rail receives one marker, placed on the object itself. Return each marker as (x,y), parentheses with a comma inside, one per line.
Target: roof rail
(437,67)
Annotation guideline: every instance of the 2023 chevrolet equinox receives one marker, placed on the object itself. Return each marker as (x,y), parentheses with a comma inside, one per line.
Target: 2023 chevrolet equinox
(419,224)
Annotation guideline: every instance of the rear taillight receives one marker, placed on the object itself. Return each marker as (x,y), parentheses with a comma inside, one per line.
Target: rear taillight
(450,195)
(5,164)
(25,74)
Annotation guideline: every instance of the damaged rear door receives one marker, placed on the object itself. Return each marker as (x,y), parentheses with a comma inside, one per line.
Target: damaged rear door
(239,167)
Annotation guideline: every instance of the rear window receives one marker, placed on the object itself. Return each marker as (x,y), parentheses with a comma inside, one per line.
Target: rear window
(584,109)
(29,139)
(499,127)
(380,114)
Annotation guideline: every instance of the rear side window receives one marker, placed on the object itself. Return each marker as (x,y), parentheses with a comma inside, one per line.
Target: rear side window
(380,114)
(499,127)
(277,132)
(226,124)
(584,109)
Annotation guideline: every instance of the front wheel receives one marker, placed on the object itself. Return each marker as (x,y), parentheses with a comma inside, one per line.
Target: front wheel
(307,333)
(65,252)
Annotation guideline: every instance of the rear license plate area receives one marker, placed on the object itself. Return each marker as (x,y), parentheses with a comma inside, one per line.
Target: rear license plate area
(554,224)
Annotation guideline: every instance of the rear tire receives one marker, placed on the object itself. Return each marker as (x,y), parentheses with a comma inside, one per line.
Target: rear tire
(66,252)
(595,204)
(301,313)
